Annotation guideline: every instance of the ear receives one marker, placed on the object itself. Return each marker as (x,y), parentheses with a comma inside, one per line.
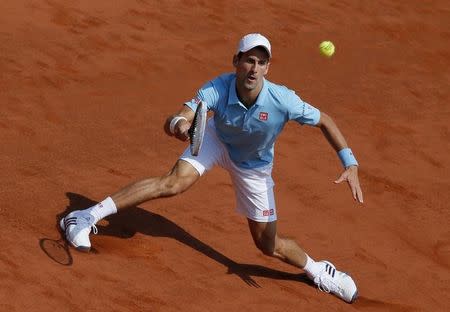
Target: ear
(267,68)
(235,60)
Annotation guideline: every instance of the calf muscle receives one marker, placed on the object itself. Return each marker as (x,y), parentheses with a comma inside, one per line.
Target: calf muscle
(178,180)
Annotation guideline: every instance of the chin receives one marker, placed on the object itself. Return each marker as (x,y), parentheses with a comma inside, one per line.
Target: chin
(251,86)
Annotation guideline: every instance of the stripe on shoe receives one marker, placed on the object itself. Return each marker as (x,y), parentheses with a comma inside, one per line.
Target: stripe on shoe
(330,270)
(70,221)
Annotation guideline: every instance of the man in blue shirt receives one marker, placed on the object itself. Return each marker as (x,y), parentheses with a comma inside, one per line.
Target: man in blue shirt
(249,114)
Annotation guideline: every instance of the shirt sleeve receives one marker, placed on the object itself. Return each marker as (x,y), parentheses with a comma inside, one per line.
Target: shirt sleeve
(207,93)
(301,111)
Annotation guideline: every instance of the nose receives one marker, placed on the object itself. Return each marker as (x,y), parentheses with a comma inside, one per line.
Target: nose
(254,68)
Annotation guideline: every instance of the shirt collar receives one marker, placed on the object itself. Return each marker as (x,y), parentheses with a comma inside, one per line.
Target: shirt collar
(233,98)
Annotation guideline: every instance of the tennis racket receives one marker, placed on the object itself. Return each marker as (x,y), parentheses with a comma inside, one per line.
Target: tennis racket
(197,129)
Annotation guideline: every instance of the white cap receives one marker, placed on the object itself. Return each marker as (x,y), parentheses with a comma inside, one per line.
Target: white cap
(250,41)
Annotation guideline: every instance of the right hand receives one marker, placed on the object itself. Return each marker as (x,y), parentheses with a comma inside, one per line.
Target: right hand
(182,126)
(181,130)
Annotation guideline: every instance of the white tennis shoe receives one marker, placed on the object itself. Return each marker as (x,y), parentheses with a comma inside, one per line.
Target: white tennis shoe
(77,227)
(338,283)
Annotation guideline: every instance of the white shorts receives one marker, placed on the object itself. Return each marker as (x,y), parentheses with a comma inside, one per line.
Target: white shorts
(253,187)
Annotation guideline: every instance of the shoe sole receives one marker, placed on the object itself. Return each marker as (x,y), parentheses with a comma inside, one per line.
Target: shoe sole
(355,296)
(79,248)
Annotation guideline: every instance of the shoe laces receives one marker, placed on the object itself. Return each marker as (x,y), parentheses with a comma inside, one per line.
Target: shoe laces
(87,220)
(324,283)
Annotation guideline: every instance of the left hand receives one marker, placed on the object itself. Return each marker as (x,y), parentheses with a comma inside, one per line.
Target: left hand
(351,176)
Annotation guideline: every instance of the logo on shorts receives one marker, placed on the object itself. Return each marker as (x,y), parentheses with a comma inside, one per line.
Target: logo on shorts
(263,116)
(268,212)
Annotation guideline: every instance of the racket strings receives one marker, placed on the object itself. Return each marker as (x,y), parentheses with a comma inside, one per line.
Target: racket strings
(197,129)
(193,127)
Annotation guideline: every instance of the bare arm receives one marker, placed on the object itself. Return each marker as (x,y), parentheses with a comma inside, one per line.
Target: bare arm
(337,141)
(331,132)
(182,126)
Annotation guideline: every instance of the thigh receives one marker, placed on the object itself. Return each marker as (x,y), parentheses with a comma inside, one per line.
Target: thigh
(211,153)
(254,193)
(259,207)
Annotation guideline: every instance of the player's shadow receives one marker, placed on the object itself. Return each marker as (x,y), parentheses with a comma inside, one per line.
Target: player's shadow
(134,220)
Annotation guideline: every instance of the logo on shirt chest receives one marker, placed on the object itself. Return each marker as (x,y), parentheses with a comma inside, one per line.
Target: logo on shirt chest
(263,116)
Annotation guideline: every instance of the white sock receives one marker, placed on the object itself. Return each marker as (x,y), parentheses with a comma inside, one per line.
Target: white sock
(312,268)
(103,209)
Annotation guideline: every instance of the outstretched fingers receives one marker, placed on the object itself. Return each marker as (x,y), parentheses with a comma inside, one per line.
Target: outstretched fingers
(356,190)
(342,178)
(351,176)
(359,194)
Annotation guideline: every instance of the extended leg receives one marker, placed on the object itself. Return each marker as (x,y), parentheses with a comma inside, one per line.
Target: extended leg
(176,181)
(77,225)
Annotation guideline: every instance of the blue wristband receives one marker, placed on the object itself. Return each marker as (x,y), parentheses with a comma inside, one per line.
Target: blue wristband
(347,158)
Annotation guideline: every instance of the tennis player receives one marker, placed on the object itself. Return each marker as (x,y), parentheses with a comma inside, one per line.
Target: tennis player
(249,114)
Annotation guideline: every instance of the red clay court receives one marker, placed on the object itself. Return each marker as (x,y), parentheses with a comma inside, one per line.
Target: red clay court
(85,87)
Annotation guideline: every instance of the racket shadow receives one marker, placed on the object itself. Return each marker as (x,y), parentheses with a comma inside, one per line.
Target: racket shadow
(137,220)
(57,249)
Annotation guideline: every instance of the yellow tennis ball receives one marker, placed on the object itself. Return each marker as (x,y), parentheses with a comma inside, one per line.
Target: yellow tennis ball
(327,48)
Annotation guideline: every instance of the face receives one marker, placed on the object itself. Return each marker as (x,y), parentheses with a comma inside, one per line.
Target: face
(251,67)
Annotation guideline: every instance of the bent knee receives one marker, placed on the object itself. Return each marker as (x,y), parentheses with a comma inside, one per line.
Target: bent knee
(173,186)
(179,179)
